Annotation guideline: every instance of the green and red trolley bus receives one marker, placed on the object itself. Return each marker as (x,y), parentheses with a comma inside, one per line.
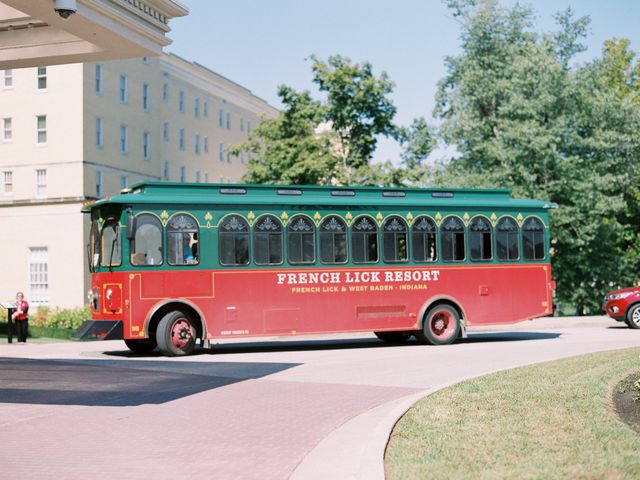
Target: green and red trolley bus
(175,263)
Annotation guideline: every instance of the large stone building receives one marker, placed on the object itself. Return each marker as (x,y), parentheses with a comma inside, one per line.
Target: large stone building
(73,133)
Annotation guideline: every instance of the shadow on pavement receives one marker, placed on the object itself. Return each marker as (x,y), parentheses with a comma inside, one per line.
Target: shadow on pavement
(118,383)
(508,337)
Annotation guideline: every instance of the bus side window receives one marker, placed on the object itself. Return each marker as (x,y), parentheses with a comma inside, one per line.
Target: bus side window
(533,239)
(146,248)
(267,241)
(480,239)
(233,241)
(364,240)
(452,238)
(507,242)
(182,240)
(301,240)
(333,240)
(423,240)
(394,240)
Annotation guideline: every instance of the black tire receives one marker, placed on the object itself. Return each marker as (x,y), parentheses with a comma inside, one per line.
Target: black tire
(393,337)
(441,326)
(141,346)
(633,316)
(176,334)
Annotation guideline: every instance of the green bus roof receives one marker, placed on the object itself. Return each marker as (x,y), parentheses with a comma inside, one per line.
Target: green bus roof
(162,193)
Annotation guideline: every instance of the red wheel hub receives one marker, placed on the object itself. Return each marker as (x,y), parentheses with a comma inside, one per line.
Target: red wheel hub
(442,324)
(181,333)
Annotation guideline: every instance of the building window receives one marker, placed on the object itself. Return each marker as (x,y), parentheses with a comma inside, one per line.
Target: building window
(228,120)
(145,97)
(8,181)
(221,118)
(99,134)
(8,79)
(181,101)
(183,174)
(206,144)
(221,154)
(197,176)
(206,110)
(123,89)
(197,144)
(165,92)
(124,182)
(41,128)
(41,183)
(206,177)
(99,184)
(248,127)
(42,78)
(146,145)
(145,60)
(196,108)
(98,78)
(228,157)
(181,139)
(242,124)
(165,131)
(124,139)
(165,171)
(7,130)
(38,266)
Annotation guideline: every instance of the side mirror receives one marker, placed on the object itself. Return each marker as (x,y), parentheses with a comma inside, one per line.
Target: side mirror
(131,227)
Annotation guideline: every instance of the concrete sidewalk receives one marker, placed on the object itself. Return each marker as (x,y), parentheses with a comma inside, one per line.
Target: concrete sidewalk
(320,407)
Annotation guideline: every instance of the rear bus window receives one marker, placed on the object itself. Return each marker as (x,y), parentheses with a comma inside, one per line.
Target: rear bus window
(533,239)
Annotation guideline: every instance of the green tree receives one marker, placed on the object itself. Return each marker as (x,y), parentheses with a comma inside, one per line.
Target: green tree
(520,116)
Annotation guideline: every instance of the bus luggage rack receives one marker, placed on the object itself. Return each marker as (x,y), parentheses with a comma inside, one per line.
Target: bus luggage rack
(99,330)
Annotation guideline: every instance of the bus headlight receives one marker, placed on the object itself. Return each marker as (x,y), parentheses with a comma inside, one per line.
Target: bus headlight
(108,294)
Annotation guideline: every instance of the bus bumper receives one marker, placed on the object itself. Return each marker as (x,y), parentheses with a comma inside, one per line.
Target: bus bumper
(99,330)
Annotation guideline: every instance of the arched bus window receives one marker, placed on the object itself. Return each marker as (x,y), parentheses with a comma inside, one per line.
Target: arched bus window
(182,240)
(111,243)
(233,241)
(507,241)
(146,248)
(423,240)
(480,241)
(301,240)
(452,238)
(267,241)
(533,239)
(364,240)
(394,240)
(333,240)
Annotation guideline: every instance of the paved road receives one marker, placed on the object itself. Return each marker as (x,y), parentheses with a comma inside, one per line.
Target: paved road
(319,407)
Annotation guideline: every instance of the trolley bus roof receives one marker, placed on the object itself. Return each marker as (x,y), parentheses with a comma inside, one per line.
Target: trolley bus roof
(159,193)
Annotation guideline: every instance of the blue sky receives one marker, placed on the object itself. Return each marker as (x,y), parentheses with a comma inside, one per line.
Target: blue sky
(261,44)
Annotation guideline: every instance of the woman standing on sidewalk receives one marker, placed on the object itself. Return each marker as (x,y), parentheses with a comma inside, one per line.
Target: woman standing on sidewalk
(20,317)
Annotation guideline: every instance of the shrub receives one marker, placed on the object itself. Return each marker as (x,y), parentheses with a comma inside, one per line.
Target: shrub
(40,318)
(69,317)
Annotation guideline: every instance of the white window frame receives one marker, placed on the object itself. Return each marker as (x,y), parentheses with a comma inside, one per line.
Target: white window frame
(41,76)
(124,139)
(41,183)
(7,129)
(123,91)
(41,132)
(7,180)
(38,275)
(7,82)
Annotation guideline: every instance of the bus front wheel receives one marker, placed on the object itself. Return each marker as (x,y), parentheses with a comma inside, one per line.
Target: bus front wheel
(140,346)
(176,334)
(441,326)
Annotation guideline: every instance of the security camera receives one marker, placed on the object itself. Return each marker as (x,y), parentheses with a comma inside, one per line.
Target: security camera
(65,8)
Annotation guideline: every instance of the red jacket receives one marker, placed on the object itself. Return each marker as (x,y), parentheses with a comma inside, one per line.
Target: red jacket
(23,306)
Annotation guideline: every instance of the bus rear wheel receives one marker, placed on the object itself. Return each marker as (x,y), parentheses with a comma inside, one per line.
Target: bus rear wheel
(176,334)
(393,337)
(141,346)
(441,326)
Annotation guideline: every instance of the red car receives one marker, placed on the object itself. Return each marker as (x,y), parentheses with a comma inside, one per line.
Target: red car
(624,305)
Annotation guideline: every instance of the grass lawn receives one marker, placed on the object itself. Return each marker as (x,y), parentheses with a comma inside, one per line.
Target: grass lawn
(552,420)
